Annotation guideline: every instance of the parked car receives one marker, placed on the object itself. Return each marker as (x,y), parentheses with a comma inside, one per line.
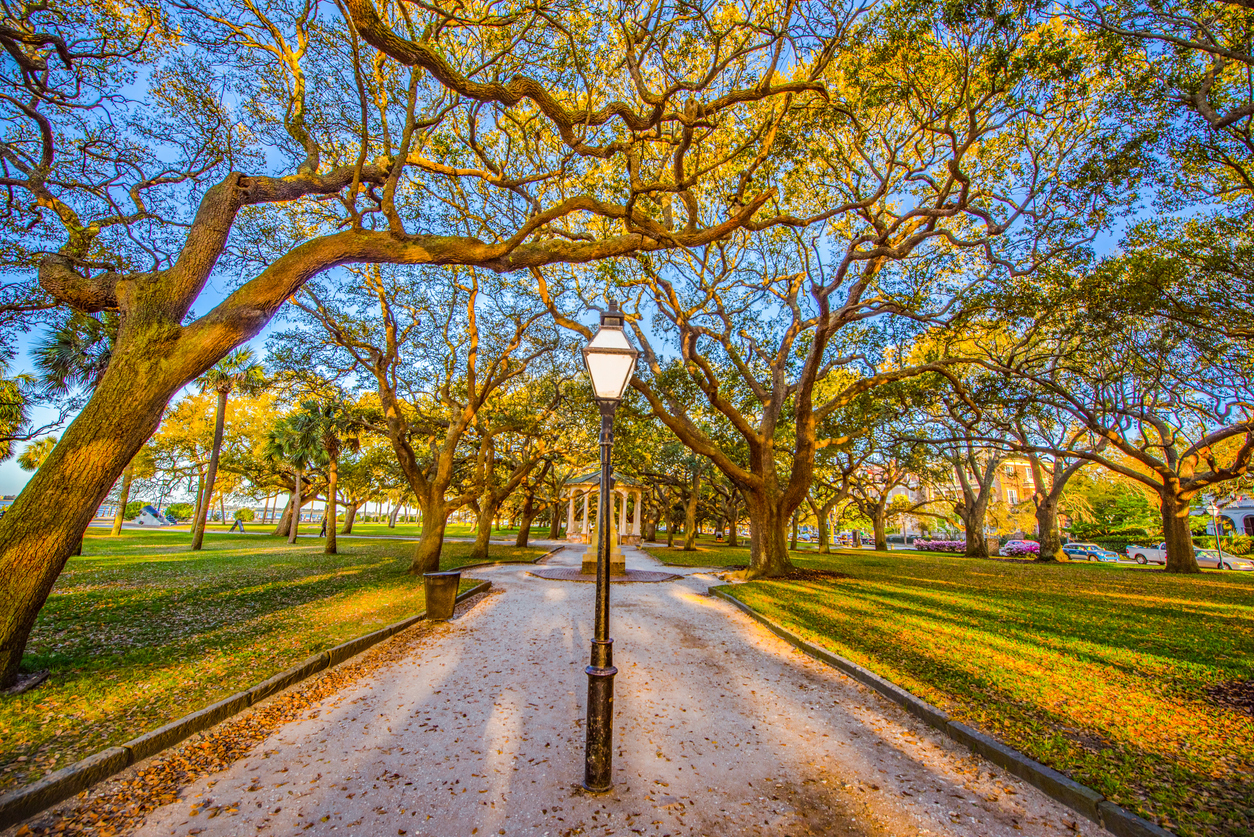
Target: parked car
(1210,559)
(1088,552)
(1148,554)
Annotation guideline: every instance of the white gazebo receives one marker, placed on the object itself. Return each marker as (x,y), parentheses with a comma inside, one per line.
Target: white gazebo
(628,496)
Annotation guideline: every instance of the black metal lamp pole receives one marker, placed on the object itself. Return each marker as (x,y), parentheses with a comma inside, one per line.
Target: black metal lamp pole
(598,753)
(610,359)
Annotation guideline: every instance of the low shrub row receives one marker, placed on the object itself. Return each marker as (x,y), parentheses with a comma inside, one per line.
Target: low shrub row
(940,546)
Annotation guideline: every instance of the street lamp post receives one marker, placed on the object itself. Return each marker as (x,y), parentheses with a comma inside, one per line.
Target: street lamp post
(1214,514)
(610,359)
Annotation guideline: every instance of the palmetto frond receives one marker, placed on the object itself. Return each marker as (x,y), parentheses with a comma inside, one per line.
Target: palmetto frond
(34,454)
(77,353)
(237,372)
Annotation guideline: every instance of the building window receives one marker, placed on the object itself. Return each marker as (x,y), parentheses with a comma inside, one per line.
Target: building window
(1012,497)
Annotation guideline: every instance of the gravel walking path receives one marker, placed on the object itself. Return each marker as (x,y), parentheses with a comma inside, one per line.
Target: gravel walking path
(720,729)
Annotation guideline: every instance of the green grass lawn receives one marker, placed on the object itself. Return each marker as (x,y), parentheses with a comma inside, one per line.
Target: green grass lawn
(1099,671)
(708,554)
(401,530)
(140,631)
(453,530)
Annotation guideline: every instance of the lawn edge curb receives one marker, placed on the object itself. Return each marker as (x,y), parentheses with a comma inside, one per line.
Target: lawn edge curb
(1079,798)
(535,560)
(27,801)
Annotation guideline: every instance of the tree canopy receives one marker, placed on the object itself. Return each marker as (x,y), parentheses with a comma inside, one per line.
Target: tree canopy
(871,253)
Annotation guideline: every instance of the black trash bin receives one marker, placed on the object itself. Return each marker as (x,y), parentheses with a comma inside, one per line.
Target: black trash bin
(441,591)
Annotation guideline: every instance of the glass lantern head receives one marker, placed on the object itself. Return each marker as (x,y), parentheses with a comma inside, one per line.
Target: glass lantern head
(609,357)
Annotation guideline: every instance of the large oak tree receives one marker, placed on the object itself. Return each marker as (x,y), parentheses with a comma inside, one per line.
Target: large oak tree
(155,151)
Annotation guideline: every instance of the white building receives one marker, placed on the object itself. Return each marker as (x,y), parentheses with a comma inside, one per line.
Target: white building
(1240,512)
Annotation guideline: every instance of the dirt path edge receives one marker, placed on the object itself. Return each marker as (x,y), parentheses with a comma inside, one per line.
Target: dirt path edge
(58,786)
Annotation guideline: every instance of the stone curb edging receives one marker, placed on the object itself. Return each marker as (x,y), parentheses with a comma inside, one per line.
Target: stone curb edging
(25,802)
(1081,799)
(483,564)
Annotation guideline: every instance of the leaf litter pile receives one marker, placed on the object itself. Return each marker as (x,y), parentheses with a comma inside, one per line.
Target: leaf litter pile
(118,806)
(1238,694)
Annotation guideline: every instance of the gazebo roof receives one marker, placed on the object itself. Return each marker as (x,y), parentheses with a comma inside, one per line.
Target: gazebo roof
(594,479)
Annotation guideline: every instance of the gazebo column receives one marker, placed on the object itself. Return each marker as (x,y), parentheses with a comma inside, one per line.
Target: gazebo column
(622,511)
(586,495)
(636,515)
(570,514)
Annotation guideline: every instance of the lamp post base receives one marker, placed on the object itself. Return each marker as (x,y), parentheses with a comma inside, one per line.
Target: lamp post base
(598,754)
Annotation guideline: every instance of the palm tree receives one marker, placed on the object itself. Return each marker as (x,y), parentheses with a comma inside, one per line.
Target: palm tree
(35,452)
(335,427)
(77,352)
(295,444)
(237,372)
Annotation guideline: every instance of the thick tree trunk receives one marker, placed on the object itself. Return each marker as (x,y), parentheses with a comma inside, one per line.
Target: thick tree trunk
(294,528)
(350,516)
(556,512)
(792,538)
(392,517)
(120,515)
(434,520)
(219,425)
(1047,533)
(973,517)
(46,522)
(483,529)
(284,524)
(333,474)
(879,522)
(670,531)
(733,538)
(690,513)
(768,529)
(825,535)
(524,521)
(1176,532)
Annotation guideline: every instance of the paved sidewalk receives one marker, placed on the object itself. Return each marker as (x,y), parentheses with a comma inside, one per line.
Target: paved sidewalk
(720,729)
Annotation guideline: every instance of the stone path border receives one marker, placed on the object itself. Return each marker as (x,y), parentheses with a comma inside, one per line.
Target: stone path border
(629,577)
(25,802)
(1081,799)
(543,557)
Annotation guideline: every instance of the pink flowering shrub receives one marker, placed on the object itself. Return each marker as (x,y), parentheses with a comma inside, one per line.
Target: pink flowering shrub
(941,546)
(1022,549)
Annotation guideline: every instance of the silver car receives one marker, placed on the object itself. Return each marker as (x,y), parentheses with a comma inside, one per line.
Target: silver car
(1210,559)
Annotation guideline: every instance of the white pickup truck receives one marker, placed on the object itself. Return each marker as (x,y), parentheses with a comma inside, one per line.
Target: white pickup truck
(1148,554)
